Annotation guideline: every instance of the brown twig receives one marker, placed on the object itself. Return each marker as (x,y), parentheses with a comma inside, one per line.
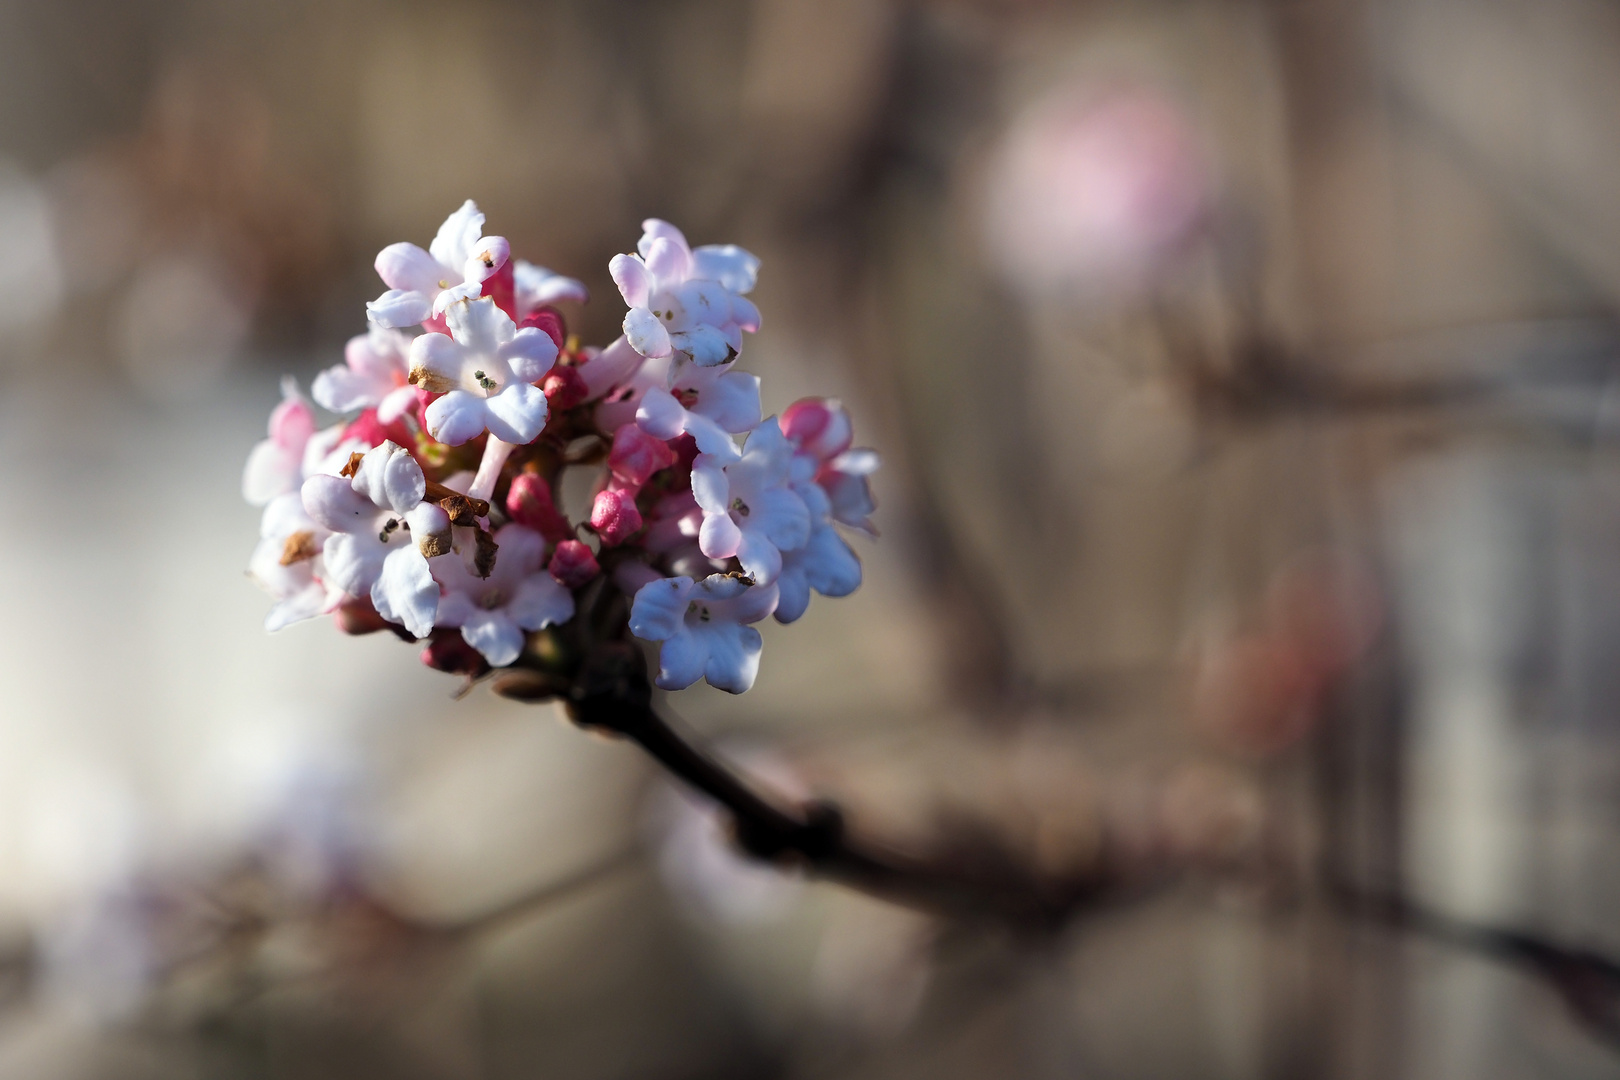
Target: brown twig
(816,837)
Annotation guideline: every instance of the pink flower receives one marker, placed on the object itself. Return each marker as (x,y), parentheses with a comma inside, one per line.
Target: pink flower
(819,427)
(374,375)
(686,302)
(422,284)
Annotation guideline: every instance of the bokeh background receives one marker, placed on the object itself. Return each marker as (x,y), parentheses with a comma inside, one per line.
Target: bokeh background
(1245,377)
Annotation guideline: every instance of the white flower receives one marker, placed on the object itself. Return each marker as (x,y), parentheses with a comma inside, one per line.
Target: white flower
(535,287)
(748,508)
(287,563)
(824,563)
(519,595)
(708,403)
(374,375)
(703,628)
(373,520)
(422,284)
(683,301)
(486,371)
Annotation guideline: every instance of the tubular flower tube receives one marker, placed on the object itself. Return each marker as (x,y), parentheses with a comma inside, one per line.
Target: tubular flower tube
(445,501)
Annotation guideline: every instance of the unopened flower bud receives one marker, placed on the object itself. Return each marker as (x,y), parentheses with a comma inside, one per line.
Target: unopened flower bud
(573,564)
(636,455)
(449,651)
(614,517)
(529,504)
(564,388)
(549,320)
(818,426)
(360,617)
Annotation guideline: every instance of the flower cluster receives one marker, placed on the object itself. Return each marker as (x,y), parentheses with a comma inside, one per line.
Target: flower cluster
(433,506)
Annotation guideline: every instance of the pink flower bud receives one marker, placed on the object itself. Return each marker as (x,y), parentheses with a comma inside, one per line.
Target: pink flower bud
(529,503)
(449,652)
(573,564)
(614,517)
(359,617)
(551,321)
(292,423)
(636,455)
(564,388)
(818,426)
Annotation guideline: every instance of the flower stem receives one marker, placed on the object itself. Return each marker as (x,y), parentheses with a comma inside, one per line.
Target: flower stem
(814,835)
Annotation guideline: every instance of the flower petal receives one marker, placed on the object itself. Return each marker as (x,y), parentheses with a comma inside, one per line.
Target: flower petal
(454,242)
(458,417)
(733,657)
(630,274)
(334,504)
(681,660)
(655,229)
(658,611)
(830,566)
(405,591)
(659,414)
(778,514)
(537,286)
(390,477)
(719,537)
(645,333)
(760,558)
(353,561)
(271,470)
(705,344)
(610,367)
(478,325)
(407,268)
(745,314)
(517,414)
(540,600)
(396,403)
(669,262)
(494,635)
(306,603)
(711,487)
(711,439)
(794,594)
(342,389)
(730,265)
(732,401)
(530,354)
(398,307)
